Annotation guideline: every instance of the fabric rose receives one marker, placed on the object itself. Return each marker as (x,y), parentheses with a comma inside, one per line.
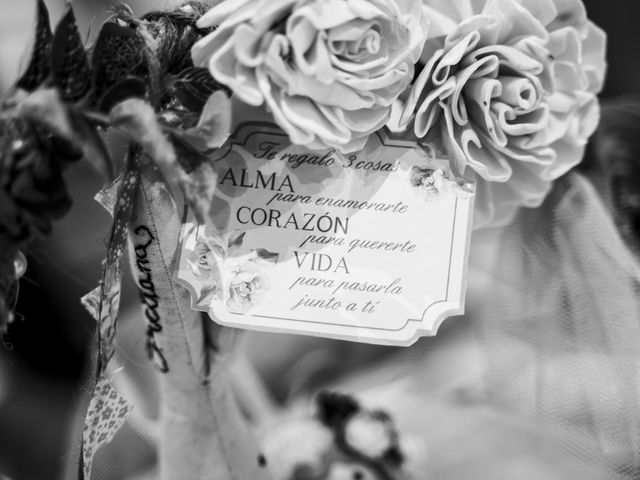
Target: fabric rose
(370,435)
(247,286)
(508,89)
(328,70)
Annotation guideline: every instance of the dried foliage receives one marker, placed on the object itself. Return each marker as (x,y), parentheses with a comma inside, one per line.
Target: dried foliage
(137,78)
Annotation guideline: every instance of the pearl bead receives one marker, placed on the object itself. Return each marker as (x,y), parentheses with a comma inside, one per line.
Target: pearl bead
(20,265)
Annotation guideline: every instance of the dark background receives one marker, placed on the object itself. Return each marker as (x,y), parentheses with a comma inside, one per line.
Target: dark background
(42,357)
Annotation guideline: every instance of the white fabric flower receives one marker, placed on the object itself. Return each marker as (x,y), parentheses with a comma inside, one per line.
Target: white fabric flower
(368,435)
(328,70)
(296,444)
(508,91)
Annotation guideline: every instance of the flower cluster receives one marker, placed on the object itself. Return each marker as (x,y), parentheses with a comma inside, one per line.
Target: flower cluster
(57,111)
(343,441)
(237,280)
(506,89)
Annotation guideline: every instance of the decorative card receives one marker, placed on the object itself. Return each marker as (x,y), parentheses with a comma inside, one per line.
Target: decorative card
(369,247)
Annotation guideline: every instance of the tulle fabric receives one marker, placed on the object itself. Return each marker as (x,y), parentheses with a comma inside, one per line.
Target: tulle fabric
(542,378)
(560,329)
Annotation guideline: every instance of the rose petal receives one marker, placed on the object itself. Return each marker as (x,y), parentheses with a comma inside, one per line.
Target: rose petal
(364,121)
(222,11)
(424,116)
(248,43)
(273,99)
(456,10)
(571,13)
(513,17)
(310,52)
(544,11)
(305,113)
(594,57)
(332,13)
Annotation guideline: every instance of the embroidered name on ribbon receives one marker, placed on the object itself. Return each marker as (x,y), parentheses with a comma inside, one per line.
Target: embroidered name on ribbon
(149,296)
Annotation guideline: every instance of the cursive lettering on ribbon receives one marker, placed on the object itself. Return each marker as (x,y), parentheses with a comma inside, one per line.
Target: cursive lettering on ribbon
(149,297)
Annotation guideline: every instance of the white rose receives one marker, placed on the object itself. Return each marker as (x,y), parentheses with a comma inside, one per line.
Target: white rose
(328,70)
(508,91)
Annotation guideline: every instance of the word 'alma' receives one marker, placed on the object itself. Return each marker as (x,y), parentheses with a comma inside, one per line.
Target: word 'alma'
(256,179)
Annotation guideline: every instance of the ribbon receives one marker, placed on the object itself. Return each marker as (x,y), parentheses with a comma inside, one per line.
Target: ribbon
(107,410)
(202,433)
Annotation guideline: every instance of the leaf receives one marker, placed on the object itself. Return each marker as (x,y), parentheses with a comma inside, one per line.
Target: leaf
(45,107)
(131,87)
(214,126)
(236,238)
(39,67)
(189,157)
(266,256)
(194,86)
(117,55)
(69,62)
(207,295)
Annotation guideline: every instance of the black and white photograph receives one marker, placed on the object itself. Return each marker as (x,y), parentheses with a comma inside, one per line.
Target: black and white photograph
(319,240)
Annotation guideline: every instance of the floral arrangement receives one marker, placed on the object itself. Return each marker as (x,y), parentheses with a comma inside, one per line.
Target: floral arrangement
(138,79)
(503,90)
(225,273)
(329,72)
